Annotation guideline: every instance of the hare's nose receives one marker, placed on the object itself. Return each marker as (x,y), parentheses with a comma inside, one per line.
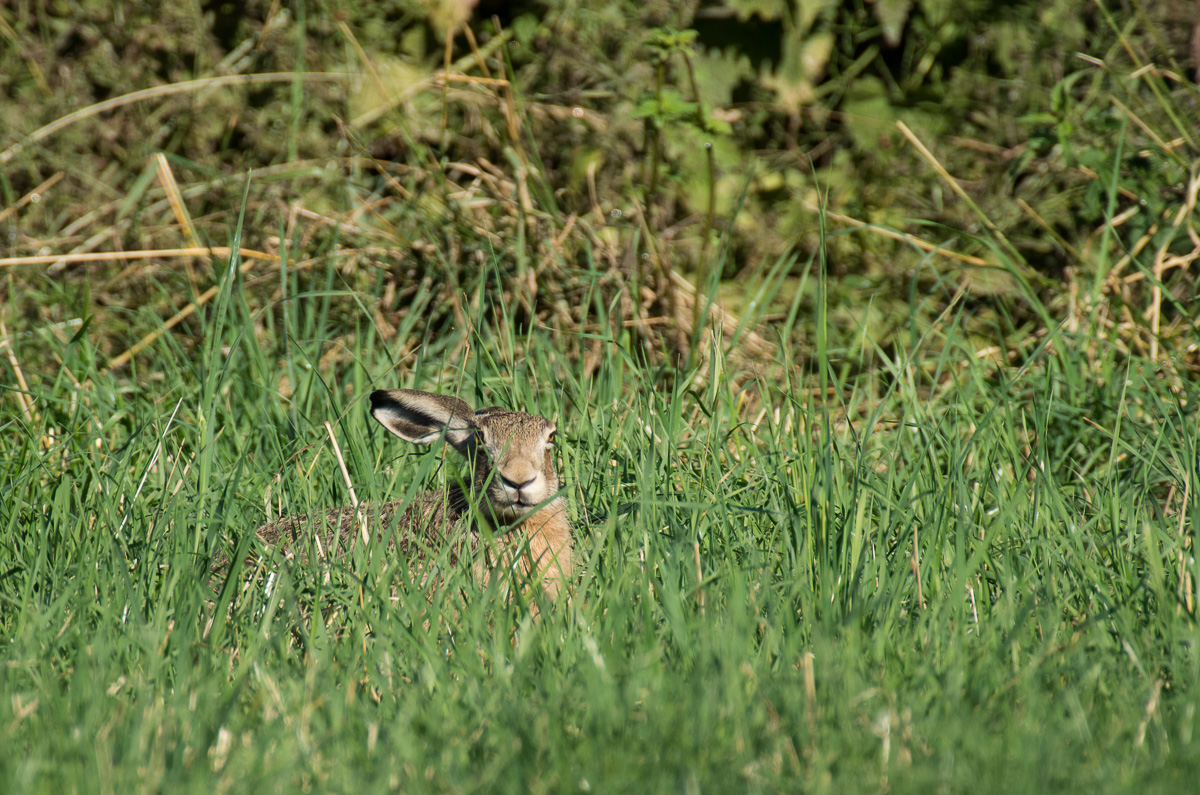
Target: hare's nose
(512,484)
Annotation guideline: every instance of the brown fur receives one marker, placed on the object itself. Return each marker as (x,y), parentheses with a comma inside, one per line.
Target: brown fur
(512,463)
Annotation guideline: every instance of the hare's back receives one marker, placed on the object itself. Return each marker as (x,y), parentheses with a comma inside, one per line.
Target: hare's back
(405,526)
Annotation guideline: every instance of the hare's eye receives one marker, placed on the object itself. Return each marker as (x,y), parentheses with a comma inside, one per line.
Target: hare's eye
(550,439)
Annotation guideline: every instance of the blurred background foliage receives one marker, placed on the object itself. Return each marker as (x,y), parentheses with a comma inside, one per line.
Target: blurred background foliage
(704,135)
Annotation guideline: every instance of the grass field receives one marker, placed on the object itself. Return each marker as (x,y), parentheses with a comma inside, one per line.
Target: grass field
(925,531)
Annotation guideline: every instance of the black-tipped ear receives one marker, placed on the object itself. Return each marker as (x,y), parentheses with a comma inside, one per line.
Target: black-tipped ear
(421,417)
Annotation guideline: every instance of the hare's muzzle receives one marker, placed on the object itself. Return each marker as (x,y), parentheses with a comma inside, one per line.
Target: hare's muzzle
(522,493)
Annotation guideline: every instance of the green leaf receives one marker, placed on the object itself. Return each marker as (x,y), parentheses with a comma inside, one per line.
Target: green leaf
(766,10)
(646,108)
(892,14)
(670,106)
(1038,118)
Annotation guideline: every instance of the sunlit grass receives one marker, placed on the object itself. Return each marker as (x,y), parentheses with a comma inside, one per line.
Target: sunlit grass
(909,584)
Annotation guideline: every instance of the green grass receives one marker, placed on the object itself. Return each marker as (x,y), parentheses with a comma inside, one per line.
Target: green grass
(1041,638)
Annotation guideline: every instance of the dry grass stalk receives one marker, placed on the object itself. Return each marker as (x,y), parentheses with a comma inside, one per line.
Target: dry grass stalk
(163,91)
(905,237)
(167,179)
(362,517)
(32,196)
(167,253)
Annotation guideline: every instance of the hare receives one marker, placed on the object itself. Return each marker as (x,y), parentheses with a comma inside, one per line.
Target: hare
(510,456)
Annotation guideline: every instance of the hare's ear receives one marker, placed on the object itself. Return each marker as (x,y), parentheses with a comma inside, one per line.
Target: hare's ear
(421,417)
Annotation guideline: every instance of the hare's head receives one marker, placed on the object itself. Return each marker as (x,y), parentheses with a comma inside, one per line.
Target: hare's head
(511,451)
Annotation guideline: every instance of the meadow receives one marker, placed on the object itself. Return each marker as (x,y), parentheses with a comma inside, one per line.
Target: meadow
(873,359)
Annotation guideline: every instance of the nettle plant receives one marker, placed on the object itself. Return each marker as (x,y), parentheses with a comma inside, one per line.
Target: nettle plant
(666,109)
